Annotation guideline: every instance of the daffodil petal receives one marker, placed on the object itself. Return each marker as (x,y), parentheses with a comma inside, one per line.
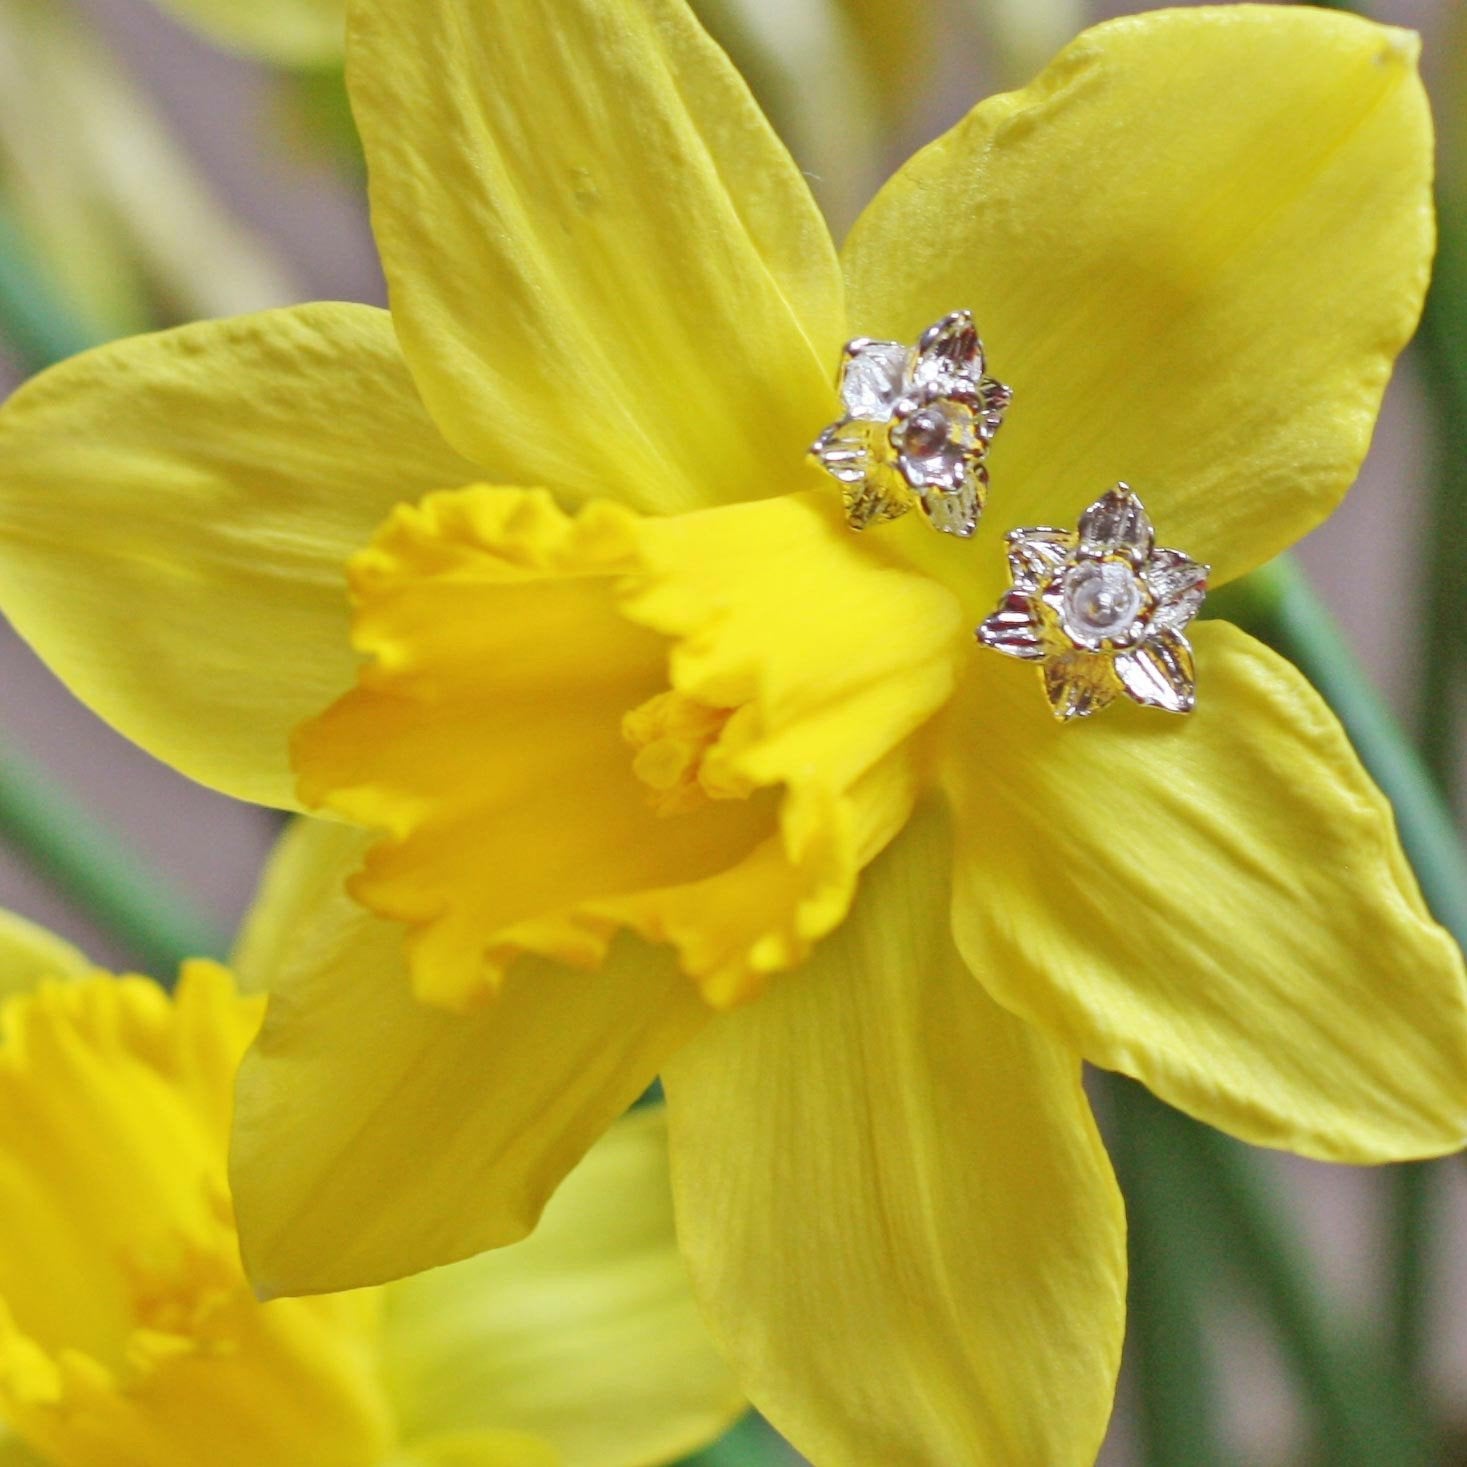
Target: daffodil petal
(894,1203)
(1194,247)
(176,514)
(1216,905)
(585,1334)
(301,874)
(15,1453)
(376,1136)
(481,1449)
(29,953)
(608,274)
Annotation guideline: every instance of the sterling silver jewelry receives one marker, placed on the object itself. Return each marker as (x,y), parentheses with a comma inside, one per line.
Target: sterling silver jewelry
(1102,609)
(917,425)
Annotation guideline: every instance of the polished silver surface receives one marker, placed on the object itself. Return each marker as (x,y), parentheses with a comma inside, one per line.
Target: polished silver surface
(916,429)
(1102,610)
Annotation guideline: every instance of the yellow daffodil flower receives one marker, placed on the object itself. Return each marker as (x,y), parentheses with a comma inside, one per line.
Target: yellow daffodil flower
(665,770)
(129,1336)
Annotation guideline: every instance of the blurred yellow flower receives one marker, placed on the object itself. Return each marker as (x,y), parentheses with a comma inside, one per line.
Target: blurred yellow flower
(632,732)
(129,1336)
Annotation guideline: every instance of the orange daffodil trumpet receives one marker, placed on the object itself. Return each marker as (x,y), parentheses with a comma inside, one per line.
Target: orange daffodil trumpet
(651,766)
(129,1336)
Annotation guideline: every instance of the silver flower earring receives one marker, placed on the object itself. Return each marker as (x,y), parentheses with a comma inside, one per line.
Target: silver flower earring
(918,422)
(1102,610)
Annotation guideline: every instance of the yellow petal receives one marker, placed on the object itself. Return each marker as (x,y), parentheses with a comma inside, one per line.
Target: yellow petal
(304,871)
(585,1334)
(29,953)
(1194,247)
(15,1453)
(481,1449)
(287,32)
(549,769)
(608,274)
(176,513)
(1216,905)
(376,1136)
(897,1211)
(127,1330)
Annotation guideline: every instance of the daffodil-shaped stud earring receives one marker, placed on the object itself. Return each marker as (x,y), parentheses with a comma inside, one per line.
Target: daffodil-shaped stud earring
(1102,609)
(917,425)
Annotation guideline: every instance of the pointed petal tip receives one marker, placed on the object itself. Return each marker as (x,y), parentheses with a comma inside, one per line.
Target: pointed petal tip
(951,514)
(263,1282)
(1160,673)
(1012,629)
(1035,554)
(950,348)
(1400,46)
(952,324)
(1117,521)
(1120,496)
(1078,684)
(1338,971)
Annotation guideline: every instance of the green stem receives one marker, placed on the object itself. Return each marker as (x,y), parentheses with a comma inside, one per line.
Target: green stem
(1414,1221)
(1223,1210)
(87,863)
(36,327)
(750,1443)
(1165,1343)
(1278,605)
(1366,1412)
(1442,350)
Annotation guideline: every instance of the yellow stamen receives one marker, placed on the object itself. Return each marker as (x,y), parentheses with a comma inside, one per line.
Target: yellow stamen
(674,738)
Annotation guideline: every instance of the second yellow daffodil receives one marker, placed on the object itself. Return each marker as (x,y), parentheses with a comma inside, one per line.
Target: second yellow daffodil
(129,1336)
(664,770)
